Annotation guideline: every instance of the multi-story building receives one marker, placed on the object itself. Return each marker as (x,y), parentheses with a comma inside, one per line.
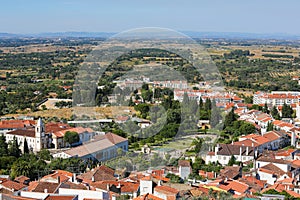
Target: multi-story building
(277,98)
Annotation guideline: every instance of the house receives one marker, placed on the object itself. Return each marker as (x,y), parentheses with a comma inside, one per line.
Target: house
(271,140)
(12,186)
(185,169)
(101,173)
(166,192)
(271,173)
(255,184)
(85,134)
(234,187)
(272,169)
(231,172)
(118,187)
(101,148)
(43,187)
(223,153)
(146,185)
(208,175)
(288,154)
(58,176)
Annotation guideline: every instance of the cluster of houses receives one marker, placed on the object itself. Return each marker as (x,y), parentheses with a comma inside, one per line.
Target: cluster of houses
(137,83)
(272,170)
(220,97)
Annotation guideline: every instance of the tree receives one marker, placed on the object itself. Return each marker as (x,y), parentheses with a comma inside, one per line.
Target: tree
(197,142)
(21,167)
(174,178)
(143,108)
(145,86)
(230,118)
(208,104)
(14,148)
(3,146)
(131,103)
(185,100)
(201,103)
(247,128)
(71,137)
(266,109)
(232,160)
(44,154)
(215,115)
(270,126)
(287,111)
(275,113)
(25,147)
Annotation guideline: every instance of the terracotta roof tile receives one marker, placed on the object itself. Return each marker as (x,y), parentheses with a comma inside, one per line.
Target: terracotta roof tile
(184,163)
(16,124)
(43,186)
(147,197)
(166,190)
(11,185)
(100,174)
(23,132)
(22,179)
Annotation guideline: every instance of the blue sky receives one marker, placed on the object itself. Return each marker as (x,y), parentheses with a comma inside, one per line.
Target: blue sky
(255,16)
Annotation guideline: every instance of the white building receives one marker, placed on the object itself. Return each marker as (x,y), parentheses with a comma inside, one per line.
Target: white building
(101,148)
(184,168)
(276,98)
(223,153)
(36,138)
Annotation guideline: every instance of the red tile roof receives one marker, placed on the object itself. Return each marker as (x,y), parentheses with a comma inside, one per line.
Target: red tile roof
(22,179)
(43,186)
(16,124)
(234,185)
(184,163)
(100,174)
(166,190)
(60,197)
(12,185)
(23,132)
(147,197)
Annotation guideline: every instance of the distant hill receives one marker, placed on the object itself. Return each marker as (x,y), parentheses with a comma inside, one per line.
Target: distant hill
(194,34)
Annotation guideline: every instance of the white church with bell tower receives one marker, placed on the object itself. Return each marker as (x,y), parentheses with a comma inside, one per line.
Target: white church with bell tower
(35,136)
(40,141)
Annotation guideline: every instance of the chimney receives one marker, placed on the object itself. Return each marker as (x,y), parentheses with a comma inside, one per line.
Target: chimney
(252,144)
(241,153)
(107,187)
(159,183)
(46,190)
(74,178)
(93,178)
(247,151)
(217,149)
(293,139)
(119,185)
(58,179)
